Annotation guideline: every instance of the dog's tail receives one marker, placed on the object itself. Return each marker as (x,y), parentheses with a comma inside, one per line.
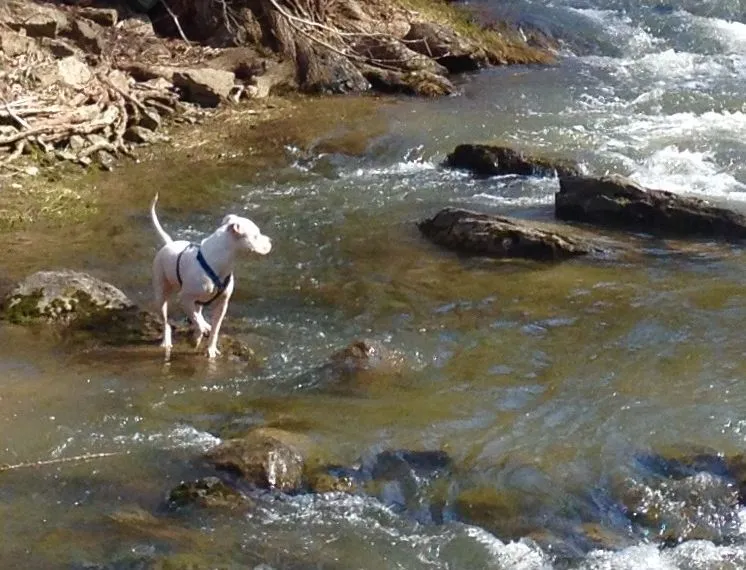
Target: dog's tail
(164,236)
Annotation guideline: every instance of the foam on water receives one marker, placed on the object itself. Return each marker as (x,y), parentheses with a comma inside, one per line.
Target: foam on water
(179,437)
(685,171)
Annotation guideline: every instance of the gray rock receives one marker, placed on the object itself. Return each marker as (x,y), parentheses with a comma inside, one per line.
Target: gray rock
(13,44)
(59,48)
(491,160)
(150,119)
(139,135)
(616,201)
(73,72)
(206,87)
(106,160)
(37,20)
(138,24)
(495,236)
(61,296)
(87,35)
(106,17)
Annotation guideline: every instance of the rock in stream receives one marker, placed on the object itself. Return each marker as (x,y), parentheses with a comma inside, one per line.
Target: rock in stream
(618,202)
(474,233)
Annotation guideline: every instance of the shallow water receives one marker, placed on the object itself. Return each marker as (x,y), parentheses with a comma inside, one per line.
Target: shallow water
(543,382)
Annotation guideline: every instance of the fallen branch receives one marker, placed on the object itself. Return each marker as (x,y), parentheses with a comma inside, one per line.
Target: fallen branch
(45,462)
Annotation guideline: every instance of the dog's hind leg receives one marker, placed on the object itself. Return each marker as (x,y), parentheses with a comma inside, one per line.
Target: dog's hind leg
(162,291)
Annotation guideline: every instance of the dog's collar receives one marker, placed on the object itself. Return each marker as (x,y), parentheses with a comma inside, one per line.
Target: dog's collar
(220,286)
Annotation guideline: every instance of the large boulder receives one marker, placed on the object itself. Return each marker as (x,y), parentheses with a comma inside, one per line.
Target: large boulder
(266,458)
(206,87)
(616,201)
(490,160)
(495,236)
(61,296)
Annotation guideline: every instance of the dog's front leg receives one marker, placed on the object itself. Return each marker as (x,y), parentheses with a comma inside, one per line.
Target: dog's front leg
(194,312)
(218,314)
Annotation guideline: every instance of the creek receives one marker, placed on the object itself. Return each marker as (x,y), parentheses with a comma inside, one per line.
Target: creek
(548,384)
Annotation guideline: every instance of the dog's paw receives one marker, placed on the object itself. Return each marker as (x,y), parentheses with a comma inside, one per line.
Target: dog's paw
(212,352)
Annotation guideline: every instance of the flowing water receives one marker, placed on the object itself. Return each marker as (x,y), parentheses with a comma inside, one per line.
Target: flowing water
(558,388)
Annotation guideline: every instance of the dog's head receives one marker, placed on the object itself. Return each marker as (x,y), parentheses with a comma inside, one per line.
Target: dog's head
(247,234)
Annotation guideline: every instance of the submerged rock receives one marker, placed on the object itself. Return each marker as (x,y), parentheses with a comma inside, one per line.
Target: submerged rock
(393,464)
(363,355)
(360,366)
(210,492)
(685,493)
(616,201)
(61,296)
(266,458)
(335,479)
(490,160)
(495,236)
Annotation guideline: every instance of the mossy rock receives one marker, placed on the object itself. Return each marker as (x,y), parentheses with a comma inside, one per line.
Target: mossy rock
(501,512)
(210,492)
(84,309)
(61,297)
(267,458)
(334,479)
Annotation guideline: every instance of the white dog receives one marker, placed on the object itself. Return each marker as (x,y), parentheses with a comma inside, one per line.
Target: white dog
(202,272)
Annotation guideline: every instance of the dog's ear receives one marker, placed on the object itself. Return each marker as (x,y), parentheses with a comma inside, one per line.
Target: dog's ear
(236,228)
(228,219)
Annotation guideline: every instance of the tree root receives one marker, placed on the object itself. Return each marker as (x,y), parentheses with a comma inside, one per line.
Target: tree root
(79,127)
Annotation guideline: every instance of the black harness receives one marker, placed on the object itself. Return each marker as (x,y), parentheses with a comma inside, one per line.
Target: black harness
(220,286)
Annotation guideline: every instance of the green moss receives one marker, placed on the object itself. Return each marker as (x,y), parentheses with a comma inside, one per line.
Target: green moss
(505,45)
(22,309)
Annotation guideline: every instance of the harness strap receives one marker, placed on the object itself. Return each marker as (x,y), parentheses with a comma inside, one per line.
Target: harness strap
(220,286)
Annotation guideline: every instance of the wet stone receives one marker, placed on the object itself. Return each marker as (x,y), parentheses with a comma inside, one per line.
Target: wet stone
(210,492)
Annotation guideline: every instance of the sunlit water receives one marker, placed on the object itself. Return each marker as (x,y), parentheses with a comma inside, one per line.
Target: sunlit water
(547,383)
